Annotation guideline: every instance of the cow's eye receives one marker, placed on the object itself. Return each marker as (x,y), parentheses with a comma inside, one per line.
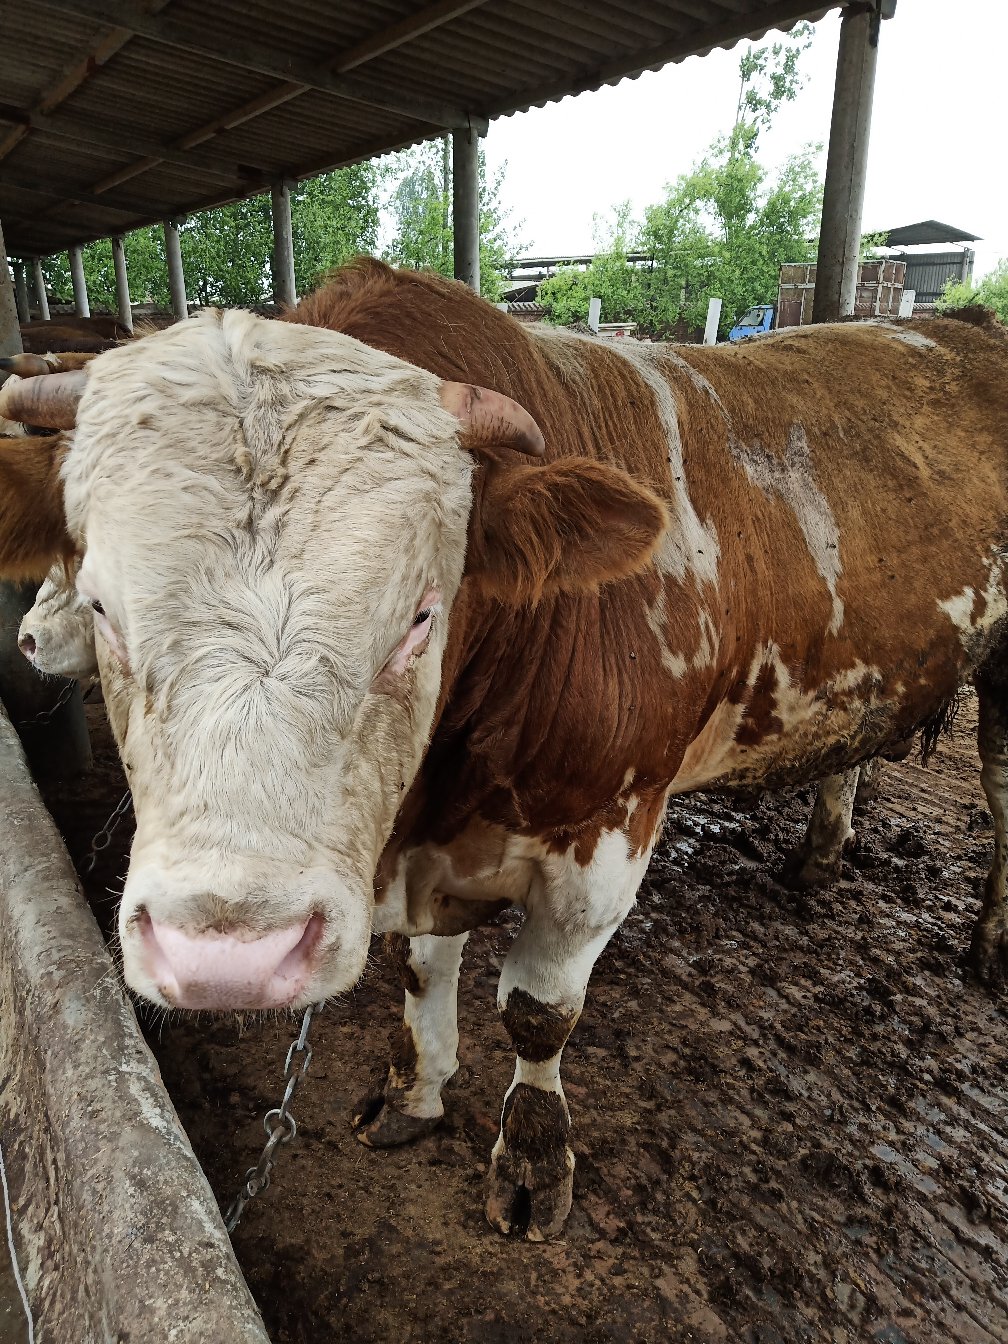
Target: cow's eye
(97,606)
(422,615)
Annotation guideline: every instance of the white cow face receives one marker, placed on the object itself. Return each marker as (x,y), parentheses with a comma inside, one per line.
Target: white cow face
(57,634)
(273,520)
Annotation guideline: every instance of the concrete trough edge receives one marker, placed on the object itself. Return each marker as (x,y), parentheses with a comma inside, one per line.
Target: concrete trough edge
(117,1232)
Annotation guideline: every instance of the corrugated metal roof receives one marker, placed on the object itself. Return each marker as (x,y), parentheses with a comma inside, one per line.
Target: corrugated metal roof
(117,113)
(928,231)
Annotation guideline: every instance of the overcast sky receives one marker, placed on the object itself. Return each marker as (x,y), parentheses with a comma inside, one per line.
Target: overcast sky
(937,151)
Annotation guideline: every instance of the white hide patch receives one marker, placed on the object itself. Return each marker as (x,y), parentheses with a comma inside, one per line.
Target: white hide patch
(904,334)
(690,547)
(815,718)
(993,607)
(790,478)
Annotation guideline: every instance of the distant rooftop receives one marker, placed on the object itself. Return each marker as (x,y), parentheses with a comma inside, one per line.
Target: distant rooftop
(927,231)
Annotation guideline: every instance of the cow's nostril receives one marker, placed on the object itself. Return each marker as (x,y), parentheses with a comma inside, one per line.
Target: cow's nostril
(27,645)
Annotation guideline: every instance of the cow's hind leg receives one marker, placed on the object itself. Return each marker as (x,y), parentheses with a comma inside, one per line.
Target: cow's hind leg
(816,861)
(425,1055)
(988,953)
(542,990)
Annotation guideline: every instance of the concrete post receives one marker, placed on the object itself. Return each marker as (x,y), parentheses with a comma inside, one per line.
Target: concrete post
(21,292)
(58,742)
(81,306)
(846,164)
(123,304)
(41,298)
(713,319)
(284,283)
(465,206)
(176,275)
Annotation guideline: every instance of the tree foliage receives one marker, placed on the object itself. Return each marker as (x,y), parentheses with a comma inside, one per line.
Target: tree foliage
(421,215)
(990,292)
(724,229)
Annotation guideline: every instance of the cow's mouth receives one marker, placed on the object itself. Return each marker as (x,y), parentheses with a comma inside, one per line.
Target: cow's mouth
(232,969)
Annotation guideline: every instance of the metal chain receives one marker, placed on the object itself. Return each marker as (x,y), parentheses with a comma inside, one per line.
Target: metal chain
(279,1124)
(44,715)
(104,837)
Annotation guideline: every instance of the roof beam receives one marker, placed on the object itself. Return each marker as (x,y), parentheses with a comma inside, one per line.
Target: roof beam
(72,77)
(75,193)
(262,60)
(398,34)
(64,127)
(103,48)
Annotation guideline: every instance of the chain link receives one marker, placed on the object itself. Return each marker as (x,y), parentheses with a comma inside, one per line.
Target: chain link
(104,837)
(44,715)
(279,1124)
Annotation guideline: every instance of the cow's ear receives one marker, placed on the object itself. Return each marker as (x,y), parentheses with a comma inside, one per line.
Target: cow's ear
(33,532)
(563,527)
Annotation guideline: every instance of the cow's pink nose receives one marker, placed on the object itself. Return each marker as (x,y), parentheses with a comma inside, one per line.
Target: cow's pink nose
(221,970)
(27,645)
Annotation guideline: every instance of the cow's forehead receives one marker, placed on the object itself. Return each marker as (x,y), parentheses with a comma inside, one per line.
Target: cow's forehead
(231,447)
(233,403)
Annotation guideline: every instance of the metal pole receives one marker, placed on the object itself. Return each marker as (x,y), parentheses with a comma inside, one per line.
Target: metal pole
(122,284)
(81,306)
(176,275)
(465,206)
(41,298)
(847,163)
(21,292)
(284,284)
(59,742)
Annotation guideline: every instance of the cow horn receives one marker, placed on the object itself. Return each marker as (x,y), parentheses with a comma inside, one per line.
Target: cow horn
(47,402)
(490,417)
(28,366)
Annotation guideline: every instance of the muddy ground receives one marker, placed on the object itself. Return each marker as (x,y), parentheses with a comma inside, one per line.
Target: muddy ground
(790,1112)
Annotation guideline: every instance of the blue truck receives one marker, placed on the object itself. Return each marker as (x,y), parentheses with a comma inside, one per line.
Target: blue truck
(753,323)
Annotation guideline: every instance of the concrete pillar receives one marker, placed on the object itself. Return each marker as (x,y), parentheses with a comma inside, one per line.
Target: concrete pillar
(847,162)
(465,206)
(21,292)
(81,306)
(284,283)
(176,275)
(58,742)
(10,325)
(122,284)
(41,298)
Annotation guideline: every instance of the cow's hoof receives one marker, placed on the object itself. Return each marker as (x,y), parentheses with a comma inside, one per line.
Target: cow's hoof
(988,953)
(805,870)
(378,1125)
(530,1201)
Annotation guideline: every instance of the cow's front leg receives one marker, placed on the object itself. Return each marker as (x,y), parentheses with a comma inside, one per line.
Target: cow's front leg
(816,861)
(988,953)
(542,990)
(425,1054)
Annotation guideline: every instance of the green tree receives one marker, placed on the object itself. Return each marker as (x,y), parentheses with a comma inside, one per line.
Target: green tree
(420,209)
(723,229)
(990,292)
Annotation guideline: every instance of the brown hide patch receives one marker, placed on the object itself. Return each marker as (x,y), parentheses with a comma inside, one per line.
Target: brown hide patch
(33,535)
(760,719)
(538,1031)
(543,711)
(403,1059)
(536,1127)
(398,948)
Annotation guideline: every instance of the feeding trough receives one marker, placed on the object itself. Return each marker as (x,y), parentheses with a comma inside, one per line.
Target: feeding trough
(117,1233)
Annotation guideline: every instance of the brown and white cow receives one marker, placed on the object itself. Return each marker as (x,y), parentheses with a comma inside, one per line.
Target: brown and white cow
(375,666)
